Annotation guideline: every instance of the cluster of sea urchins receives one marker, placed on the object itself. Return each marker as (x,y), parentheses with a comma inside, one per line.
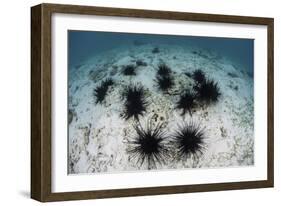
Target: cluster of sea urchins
(153,146)
(205,91)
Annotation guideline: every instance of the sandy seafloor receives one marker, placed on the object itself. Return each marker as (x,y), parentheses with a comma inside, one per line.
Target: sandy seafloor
(98,136)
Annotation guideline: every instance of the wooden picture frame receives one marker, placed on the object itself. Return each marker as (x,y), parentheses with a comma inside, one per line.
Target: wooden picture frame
(41,95)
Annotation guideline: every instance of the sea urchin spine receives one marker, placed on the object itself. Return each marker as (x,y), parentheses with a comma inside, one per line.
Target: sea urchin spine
(199,76)
(208,91)
(186,102)
(163,70)
(164,78)
(129,70)
(135,102)
(164,82)
(149,145)
(188,141)
(101,90)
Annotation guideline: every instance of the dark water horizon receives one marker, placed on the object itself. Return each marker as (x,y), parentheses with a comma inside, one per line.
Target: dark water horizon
(85,44)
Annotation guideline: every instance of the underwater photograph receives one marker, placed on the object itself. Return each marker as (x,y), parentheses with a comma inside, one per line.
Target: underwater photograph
(139,102)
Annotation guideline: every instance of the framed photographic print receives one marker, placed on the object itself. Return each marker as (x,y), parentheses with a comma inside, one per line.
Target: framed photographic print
(130,102)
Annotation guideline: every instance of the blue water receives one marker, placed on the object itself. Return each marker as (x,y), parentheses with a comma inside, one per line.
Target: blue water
(84,44)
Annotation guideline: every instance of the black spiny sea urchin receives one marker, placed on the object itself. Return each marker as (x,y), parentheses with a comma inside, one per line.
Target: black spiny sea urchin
(199,76)
(188,141)
(101,90)
(164,82)
(186,102)
(149,145)
(208,91)
(140,62)
(135,101)
(155,50)
(129,70)
(163,70)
